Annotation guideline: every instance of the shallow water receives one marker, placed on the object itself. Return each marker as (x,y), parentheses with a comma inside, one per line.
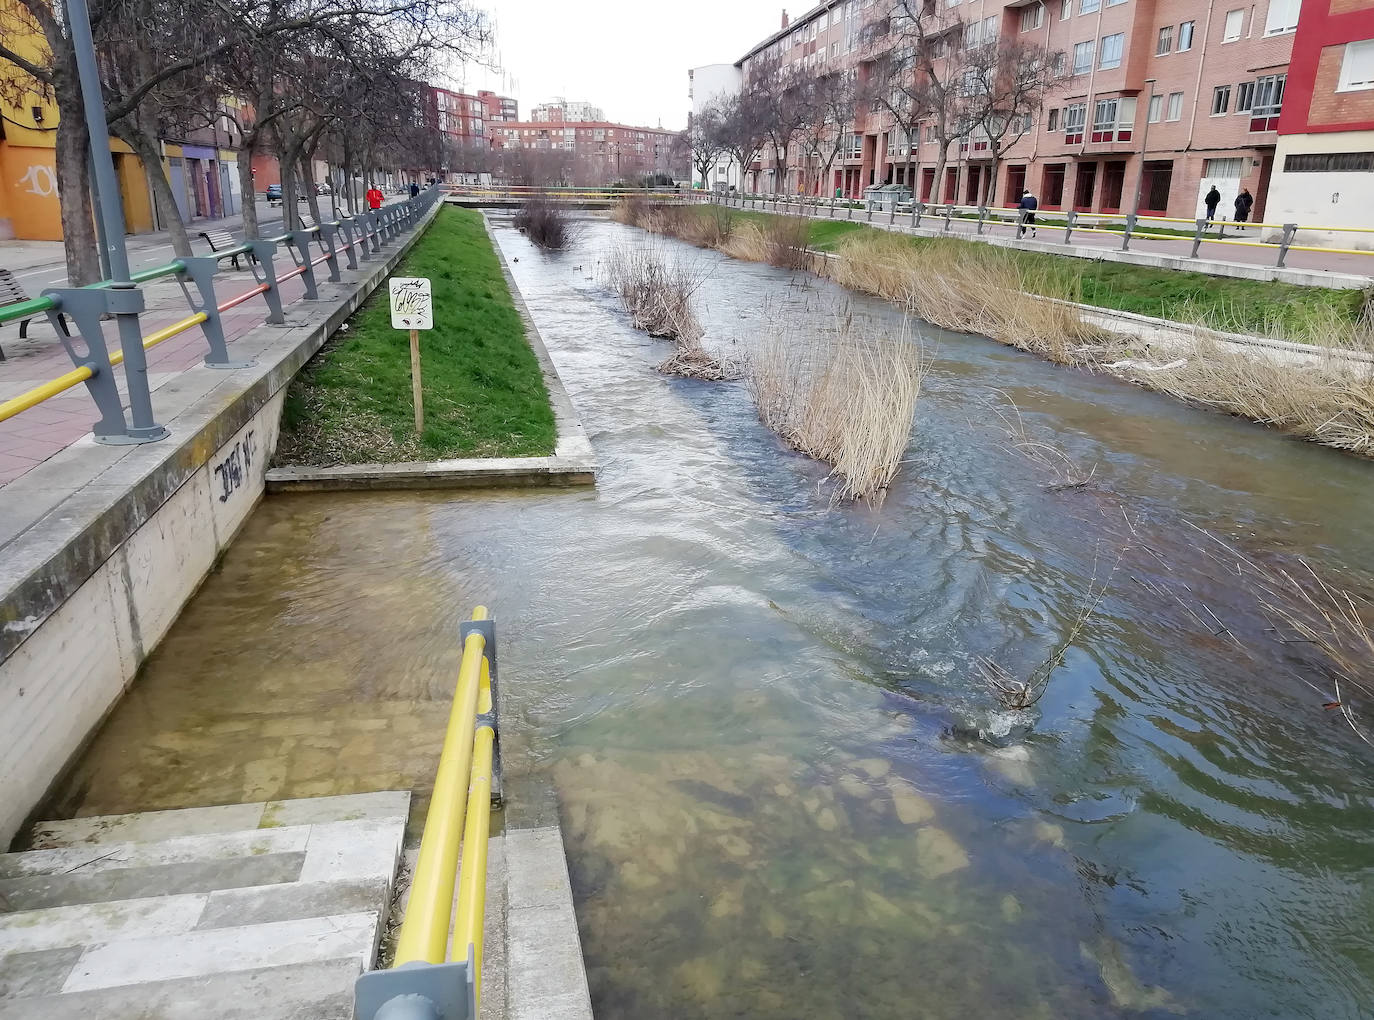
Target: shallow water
(760,714)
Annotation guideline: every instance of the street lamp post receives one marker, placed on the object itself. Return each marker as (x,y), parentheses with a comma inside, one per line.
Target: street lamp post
(123,298)
(1144,148)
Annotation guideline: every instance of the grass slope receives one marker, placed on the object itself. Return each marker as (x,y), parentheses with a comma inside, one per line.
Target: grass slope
(484,393)
(1226,303)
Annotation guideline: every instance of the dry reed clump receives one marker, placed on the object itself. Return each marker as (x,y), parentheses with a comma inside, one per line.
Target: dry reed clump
(545,223)
(845,396)
(979,289)
(782,241)
(630,211)
(657,294)
(1324,398)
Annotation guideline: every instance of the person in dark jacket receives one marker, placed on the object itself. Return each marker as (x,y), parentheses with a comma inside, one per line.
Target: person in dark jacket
(1029,203)
(414,189)
(1244,201)
(1212,200)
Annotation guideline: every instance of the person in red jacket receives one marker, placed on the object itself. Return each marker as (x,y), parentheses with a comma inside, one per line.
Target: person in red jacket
(374,197)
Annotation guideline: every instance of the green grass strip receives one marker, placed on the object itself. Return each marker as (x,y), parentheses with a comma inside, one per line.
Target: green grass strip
(1242,306)
(484,394)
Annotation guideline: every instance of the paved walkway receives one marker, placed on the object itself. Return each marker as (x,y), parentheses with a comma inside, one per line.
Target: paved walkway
(1215,252)
(33,436)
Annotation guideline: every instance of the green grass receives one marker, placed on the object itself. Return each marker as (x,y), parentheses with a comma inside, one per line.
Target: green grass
(1223,302)
(484,394)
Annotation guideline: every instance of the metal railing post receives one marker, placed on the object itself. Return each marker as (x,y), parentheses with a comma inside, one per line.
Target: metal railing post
(201,272)
(1197,238)
(1289,231)
(949,215)
(982,216)
(850,206)
(327,233)
(264,252)
(346,225)
(1070,221)
(300,240)
(918,212)
(84,308)
(892,214)
(1126,235)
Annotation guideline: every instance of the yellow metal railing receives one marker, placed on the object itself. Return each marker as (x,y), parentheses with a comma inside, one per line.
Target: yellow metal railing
(457,825)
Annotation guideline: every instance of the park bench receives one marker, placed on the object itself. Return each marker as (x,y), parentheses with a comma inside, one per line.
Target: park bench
(11,290)
(222,240)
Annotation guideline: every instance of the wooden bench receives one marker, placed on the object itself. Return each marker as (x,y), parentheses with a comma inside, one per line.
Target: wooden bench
(222,240)
(11,290)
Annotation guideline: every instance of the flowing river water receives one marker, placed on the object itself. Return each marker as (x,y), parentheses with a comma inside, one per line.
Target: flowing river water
(785,789)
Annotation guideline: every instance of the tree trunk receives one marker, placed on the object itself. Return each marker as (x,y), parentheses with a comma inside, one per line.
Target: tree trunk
(248,195)
(72,164)
(307,172)
(937,190)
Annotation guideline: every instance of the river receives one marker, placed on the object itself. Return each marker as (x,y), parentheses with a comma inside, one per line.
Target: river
(784,786)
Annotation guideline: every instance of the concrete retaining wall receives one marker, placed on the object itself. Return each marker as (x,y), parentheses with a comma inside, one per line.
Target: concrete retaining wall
(103,546)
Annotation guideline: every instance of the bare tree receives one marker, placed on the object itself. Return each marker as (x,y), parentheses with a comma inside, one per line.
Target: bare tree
(830,109)
(785,91)
(744,129)
(705,140)
(1008,83)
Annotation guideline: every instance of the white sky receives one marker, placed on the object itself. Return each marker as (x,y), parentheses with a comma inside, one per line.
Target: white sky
(630,57)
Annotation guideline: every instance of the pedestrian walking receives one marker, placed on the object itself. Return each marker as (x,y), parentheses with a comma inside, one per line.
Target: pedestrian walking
(1029,203)
(414,189)
(374,198)
(1212,200)
(1244,201)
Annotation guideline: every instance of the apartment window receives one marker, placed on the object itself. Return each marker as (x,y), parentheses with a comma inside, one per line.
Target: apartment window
(1245,97)
(1231,168)
(1111,50)
(1083,57)
(1268,102)
(1032,17)
(1156,109)
(1052,122)
(1283,16)
(1113,3)
(1065,10)
(1104,120)
(1088,6)
(834,50)
(1357,67)
(1234,23)
(990,30)
(1185,36)
(1175,106)
(1166,41)
(1329,162)
(1075,117)
(971,31)
(1221,100)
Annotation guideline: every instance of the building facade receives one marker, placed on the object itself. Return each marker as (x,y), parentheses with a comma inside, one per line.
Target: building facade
(707,85)
(596,152)
(1324,162)
(1210,116)
(560,111)
(499,108)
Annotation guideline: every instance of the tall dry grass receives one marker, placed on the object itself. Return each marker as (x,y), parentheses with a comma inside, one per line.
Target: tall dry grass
(782,241)
(846,396)
(968,288)
(657,293)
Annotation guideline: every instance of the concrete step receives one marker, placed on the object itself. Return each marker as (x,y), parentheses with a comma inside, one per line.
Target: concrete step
(266,910)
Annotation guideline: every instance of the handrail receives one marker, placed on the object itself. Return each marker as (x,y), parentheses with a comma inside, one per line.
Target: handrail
(459,818)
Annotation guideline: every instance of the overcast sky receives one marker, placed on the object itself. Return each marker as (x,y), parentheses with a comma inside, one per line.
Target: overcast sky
(630,57)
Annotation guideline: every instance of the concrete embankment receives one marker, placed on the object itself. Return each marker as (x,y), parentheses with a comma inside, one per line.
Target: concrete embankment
(102,546)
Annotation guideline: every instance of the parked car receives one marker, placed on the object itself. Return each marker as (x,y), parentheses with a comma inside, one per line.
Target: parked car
(322,188)
(274,193)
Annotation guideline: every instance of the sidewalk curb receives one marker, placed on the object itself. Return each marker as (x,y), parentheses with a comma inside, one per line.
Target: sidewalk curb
(573,461)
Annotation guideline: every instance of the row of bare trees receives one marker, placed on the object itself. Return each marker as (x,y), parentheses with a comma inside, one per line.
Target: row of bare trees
(302,79)
(918,67)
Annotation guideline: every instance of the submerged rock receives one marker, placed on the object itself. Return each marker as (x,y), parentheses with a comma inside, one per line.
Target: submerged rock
(1013,763)
(1011,908)
(1127,990)
(912,808)
(875,767)
(1048,832)
(938,853)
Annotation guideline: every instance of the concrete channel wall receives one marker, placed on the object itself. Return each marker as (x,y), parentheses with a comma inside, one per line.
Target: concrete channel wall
(101,547)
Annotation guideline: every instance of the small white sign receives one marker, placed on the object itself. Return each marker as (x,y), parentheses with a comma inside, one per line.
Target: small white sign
(412,306)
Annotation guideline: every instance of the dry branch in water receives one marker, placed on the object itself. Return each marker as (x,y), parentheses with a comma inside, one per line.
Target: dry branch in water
(1040,451)
(1303,608)
(845,396)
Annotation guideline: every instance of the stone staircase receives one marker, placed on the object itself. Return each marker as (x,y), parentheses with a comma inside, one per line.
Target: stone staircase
(265,911)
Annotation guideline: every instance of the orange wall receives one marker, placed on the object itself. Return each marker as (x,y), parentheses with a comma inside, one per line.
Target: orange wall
(28,192)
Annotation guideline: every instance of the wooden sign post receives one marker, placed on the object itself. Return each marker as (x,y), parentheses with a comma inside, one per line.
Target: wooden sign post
(412,308)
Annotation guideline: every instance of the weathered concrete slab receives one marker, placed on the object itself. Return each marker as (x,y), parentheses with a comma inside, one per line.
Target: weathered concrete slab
(271,921)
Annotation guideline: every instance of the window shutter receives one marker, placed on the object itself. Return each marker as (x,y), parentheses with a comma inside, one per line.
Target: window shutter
(1283,16)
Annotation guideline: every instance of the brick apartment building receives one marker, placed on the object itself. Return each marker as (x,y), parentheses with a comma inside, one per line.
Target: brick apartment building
(1324,163)
(597,152)
(498,108)
(1220,70)
(463,119)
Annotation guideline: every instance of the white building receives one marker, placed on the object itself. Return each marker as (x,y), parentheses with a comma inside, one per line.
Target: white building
(704,86)
(560,111)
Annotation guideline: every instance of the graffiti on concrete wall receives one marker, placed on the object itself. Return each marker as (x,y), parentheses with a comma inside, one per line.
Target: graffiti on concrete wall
(233,470)
(41,181)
